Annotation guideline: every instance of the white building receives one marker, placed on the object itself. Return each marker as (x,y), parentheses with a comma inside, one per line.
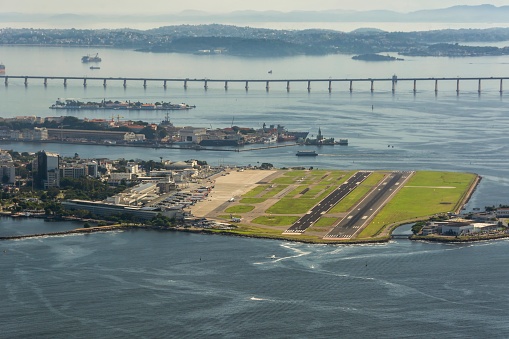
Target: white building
(465,227)
(192,134)
(36,134)
(457,228)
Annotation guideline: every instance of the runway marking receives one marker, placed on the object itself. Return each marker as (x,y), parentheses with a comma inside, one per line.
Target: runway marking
(430,186)
(365,218)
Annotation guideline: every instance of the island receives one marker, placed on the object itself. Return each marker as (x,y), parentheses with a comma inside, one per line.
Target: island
(375,57)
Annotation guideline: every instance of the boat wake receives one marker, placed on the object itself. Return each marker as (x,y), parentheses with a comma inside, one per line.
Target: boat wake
(262,299)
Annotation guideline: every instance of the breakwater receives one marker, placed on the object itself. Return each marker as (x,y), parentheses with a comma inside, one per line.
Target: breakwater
(75,231)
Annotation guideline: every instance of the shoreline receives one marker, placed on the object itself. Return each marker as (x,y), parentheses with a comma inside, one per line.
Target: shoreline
(383,236)
(157,146)
(373,241)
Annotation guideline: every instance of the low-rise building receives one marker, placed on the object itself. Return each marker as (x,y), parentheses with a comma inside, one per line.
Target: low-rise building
(467,227)
(74,134)
(457,228)
(192,134)
(502,212)
(73,172)
(107,209)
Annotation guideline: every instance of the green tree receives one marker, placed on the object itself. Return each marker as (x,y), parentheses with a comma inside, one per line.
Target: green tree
(417,227)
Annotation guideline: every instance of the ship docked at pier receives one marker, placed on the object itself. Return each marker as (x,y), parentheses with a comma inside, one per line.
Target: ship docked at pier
(74,104)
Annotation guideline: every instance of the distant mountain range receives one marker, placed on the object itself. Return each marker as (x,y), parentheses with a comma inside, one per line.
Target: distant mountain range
(455,14)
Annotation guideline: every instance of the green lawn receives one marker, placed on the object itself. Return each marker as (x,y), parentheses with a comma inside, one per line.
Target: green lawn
(325,221)
(322,225)
(239,209)
(354,196)
(296,191)
(425,194)
(314,191)
(274,191)
(284,180)
(255,191)
(291,206)
(276,220)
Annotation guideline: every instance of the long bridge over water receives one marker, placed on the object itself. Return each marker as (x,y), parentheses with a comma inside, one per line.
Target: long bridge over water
(268,82)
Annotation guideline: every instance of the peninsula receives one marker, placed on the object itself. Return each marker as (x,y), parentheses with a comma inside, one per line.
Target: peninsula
(296,204)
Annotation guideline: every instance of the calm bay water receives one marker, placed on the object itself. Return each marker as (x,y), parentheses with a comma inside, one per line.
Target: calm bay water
(148,284)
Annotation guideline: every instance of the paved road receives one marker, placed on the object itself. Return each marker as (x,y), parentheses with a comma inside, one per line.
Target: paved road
(326,204)
(368,207)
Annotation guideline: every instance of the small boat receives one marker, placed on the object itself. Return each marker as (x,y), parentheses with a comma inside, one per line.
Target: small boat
(273,257)
(2,68)
(270,72)
(95,67)
(306,154)
(91,58)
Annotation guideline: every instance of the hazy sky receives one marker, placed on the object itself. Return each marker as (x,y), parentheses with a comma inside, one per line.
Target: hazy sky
(173,6)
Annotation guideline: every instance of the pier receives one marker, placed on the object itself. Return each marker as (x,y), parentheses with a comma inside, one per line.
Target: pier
(328,84)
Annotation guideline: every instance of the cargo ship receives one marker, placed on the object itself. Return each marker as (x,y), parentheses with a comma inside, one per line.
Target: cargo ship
(73,104)
(89,58)
(306,154)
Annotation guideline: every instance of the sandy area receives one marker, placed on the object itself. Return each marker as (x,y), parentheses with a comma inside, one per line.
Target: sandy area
(234,184)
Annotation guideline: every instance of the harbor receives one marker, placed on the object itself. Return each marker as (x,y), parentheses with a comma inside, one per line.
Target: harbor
(111,132)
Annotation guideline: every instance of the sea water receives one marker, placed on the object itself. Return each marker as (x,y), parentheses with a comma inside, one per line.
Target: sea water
(151,284)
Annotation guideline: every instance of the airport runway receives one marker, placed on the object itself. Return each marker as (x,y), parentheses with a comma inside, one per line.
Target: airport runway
(326,204)
(368,207)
